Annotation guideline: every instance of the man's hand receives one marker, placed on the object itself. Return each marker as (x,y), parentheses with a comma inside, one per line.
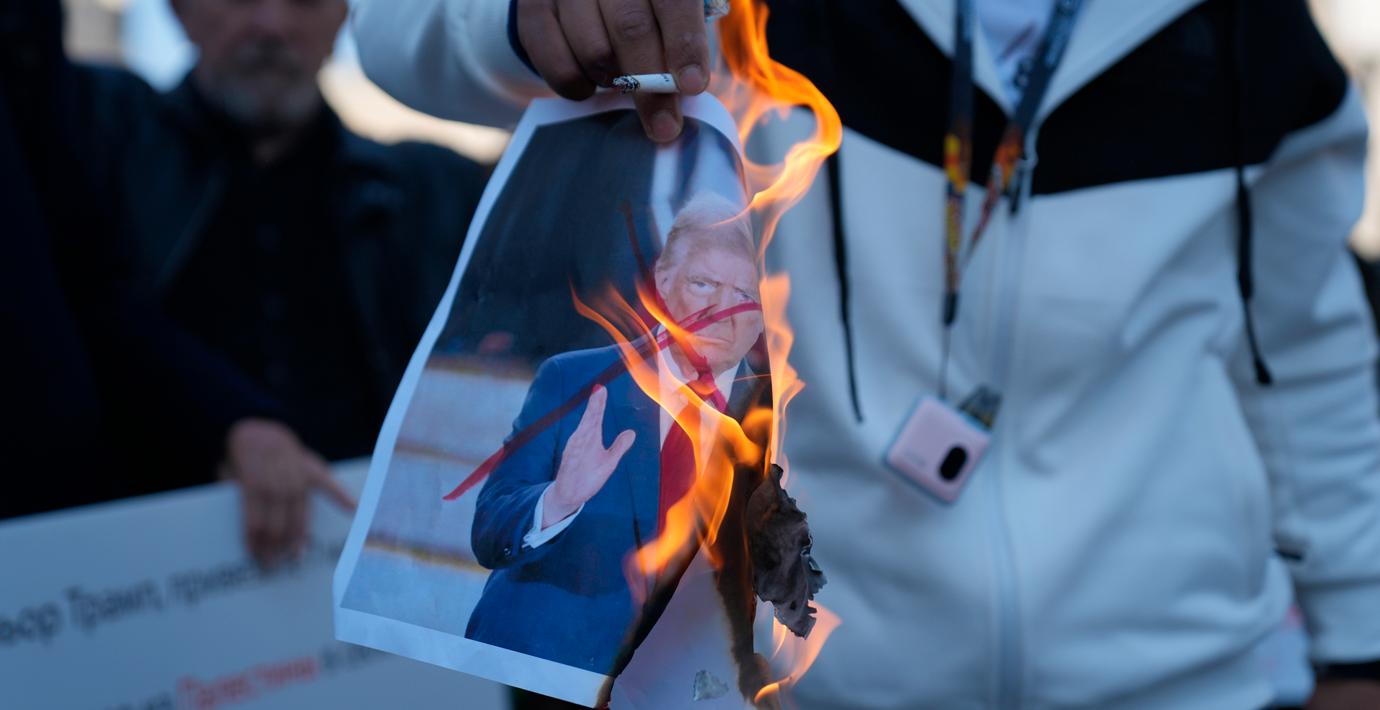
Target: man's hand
(275,473)
(1346,695)
(579,45)
(585,464)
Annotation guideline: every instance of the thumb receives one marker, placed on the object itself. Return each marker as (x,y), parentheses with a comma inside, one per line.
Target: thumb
(621,445)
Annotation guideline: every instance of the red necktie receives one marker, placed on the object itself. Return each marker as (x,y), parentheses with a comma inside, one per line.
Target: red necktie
(678,453)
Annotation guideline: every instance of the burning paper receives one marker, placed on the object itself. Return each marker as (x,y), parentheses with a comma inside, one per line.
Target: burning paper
(575,491)
(560,497)
(783,570)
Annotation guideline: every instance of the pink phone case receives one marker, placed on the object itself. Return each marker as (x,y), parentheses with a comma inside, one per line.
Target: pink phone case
(937,448)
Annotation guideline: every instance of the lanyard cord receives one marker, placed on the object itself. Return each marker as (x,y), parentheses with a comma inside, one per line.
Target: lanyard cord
(958,163)
(1034,78)
(958,153)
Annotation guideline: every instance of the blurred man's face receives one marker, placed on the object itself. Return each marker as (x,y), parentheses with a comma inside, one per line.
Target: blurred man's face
(714,278)
(259,58)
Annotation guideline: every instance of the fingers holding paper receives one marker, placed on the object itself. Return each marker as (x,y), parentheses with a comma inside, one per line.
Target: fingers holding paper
(652,36)
(543,36)
(579,45)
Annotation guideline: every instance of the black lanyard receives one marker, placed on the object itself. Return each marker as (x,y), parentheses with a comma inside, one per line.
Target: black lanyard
(1034,79)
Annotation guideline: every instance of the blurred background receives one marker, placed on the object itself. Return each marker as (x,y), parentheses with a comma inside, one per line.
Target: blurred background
(143,36)
(1352,27)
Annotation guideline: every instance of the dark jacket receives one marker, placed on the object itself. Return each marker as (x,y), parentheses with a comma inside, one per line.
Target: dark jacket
(55,442)
(126,182)
(402,212)
(399,212)
(49,377)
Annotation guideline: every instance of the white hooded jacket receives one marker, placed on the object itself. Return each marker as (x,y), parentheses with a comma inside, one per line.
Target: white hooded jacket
(1147,505)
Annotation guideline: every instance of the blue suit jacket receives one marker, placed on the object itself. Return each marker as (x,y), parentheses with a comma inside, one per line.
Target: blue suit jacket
(568,600)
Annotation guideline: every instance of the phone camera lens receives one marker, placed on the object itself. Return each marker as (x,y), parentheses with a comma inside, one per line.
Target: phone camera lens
(953,463)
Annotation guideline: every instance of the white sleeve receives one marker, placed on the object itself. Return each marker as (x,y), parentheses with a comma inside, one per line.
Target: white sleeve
(536,537)
(448,58)
(1318,426)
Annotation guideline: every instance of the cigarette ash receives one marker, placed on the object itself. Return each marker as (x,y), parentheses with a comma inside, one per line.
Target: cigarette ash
(784,571)
(715,9)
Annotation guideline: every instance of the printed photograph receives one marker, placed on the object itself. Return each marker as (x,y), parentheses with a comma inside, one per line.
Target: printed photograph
(606,319)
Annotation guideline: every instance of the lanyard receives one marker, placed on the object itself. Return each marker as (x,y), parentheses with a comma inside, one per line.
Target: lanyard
(1034,77)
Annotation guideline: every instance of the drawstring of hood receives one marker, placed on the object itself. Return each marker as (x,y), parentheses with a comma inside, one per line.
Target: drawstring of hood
(840,240)
(841,270)
(1245,227)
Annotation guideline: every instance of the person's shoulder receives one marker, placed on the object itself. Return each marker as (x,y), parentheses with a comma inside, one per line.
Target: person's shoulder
(114,113)
(580,361)
(112,77)
(588,356)
(115,90)
(564,374)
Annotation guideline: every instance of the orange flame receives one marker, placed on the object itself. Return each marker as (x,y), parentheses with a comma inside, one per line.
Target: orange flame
(755,89)
(786,383)
(796,653)
(698,516)
(757,85)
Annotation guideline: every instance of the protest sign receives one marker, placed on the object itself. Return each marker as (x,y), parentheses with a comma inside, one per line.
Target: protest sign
(153,603)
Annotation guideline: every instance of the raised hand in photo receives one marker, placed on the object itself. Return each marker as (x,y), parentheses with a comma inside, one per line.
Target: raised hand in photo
(585,464)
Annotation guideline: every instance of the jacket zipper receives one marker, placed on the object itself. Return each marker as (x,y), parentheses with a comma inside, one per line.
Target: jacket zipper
(1010,659)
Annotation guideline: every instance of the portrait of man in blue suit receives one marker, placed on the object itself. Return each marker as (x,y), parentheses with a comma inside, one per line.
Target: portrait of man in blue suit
(557,520)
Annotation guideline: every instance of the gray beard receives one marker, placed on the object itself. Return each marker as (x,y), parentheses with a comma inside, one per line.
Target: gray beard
(263,111)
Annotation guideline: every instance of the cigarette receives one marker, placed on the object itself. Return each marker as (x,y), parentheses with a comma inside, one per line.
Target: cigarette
(646,84)
(665,83)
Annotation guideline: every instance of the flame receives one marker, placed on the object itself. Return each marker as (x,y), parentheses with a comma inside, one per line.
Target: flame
(786,383)
(755,86)
(755,89)
(696,518)
(796,653)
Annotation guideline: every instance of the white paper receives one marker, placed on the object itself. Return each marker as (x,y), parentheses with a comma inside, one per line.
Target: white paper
(409,578)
